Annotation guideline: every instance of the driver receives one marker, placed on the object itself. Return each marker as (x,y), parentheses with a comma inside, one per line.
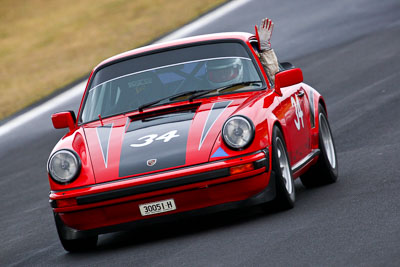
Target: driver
(223,72)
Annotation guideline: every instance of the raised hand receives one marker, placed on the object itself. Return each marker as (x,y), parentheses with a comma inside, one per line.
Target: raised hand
(264,33)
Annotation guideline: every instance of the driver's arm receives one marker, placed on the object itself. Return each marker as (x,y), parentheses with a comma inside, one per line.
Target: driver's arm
(267,55)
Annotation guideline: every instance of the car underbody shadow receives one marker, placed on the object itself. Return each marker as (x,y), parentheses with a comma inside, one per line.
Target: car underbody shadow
(193,225)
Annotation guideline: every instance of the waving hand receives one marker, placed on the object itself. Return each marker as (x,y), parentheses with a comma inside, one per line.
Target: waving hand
(264,33)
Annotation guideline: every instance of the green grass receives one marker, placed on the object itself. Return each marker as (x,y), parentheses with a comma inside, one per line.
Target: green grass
(45,44)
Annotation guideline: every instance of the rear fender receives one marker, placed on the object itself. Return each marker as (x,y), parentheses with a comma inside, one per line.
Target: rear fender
(315,99)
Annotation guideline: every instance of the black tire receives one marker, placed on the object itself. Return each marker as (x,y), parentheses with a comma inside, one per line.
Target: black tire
(285,190)
(78,245)
(75,245)
(325,171)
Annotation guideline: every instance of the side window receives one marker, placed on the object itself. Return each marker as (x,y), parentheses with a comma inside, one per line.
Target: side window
(254,45)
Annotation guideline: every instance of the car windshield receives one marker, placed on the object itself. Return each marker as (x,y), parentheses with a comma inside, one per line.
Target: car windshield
(127,85)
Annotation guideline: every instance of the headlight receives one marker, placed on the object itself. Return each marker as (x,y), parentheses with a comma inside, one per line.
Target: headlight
(238,132)
(64,166)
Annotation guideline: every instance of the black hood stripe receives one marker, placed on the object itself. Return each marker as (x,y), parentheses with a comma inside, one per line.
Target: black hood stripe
(216,110)
(155,143)
(104,134)
(162,119)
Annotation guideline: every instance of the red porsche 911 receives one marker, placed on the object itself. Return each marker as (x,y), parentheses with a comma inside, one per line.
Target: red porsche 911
(181,128)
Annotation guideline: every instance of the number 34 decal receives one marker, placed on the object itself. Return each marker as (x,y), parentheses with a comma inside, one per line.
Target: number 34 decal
(299,112)
(148,139)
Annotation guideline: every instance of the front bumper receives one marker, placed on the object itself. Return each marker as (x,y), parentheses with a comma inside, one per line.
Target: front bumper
(201,189)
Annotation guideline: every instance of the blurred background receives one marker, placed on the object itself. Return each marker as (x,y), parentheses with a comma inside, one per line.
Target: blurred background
(46,45)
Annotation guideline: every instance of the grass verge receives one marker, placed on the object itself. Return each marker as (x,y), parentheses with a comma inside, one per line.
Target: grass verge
(45,45)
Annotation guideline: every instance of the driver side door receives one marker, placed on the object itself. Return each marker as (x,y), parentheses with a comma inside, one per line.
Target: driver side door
(295,103)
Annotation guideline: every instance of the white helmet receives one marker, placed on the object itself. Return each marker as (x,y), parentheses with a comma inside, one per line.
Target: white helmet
(222,72)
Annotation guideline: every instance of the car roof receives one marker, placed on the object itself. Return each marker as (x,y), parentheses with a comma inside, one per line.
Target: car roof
(244,36)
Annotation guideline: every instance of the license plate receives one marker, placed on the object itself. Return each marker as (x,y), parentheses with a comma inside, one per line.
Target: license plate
(157,207)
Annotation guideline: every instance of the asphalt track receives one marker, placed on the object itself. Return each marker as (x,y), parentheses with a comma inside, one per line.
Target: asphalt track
(348,51)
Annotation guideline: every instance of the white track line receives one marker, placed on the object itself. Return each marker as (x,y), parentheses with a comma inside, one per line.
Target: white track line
(79,88)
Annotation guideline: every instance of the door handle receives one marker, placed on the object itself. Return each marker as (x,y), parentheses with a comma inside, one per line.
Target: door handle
(300,93)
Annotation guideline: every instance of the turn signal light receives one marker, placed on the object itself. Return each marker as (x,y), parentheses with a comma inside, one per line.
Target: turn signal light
(68,202)
(242,168)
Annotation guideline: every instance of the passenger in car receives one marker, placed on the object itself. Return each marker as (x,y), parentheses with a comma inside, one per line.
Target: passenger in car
(267,55)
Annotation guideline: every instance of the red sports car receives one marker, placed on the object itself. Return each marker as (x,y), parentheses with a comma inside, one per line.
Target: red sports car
(186,127)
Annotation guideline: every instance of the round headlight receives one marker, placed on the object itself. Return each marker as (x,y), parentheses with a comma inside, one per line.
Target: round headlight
(64,166)
(238,132)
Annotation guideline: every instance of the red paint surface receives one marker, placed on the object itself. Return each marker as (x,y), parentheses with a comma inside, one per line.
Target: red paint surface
(265,108)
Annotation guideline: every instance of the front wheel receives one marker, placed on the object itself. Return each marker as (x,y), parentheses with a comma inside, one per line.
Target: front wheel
(285,190)
(325,171)
(77,245)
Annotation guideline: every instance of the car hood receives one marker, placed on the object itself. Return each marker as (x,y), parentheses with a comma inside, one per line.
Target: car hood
(161,140)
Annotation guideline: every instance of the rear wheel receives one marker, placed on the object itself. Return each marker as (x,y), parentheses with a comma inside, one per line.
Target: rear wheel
(285,190)
(325,171)
(74,245)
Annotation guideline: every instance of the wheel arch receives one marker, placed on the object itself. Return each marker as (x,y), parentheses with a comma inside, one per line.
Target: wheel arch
(322,102)
(277,123)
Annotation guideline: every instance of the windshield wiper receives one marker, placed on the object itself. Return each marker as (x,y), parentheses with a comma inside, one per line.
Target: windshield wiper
(222,88)
(170,98)
(195,94)
(238,84)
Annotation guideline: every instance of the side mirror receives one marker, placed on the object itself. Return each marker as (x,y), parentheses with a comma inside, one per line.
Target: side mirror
(286,65)
(287,78)
(65,119)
